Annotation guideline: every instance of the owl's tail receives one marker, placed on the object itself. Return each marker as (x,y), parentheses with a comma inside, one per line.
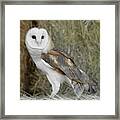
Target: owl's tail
(79,88)
(83,85)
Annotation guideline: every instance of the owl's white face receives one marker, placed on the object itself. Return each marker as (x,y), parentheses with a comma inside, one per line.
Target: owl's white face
(37,38)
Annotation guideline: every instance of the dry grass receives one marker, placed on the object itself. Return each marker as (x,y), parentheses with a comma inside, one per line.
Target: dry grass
(79,39)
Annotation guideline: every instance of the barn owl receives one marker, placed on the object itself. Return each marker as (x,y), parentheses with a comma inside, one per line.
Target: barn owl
(56,65)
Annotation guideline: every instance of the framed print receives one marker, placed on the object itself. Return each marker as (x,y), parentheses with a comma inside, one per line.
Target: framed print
(60,60)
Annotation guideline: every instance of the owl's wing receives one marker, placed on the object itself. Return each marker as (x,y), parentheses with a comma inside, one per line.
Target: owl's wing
(65,65)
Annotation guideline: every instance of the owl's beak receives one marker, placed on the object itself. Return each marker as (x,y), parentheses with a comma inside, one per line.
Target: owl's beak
(38,42)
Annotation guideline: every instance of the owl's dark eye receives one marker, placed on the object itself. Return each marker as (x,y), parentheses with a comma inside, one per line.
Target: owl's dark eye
(33,37)
(42,37)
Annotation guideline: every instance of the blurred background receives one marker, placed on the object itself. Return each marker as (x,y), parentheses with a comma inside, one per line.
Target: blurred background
(80,39)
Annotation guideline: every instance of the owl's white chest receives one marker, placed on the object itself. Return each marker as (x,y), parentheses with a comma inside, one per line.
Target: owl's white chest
(41,64)
(48,70)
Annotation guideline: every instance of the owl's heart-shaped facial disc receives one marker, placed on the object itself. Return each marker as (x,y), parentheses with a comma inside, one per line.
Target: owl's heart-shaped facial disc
(37,38)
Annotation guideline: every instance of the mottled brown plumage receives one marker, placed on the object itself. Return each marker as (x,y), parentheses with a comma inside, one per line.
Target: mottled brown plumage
(65,65)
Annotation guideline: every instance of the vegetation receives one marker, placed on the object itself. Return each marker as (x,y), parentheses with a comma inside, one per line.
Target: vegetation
(78,38)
